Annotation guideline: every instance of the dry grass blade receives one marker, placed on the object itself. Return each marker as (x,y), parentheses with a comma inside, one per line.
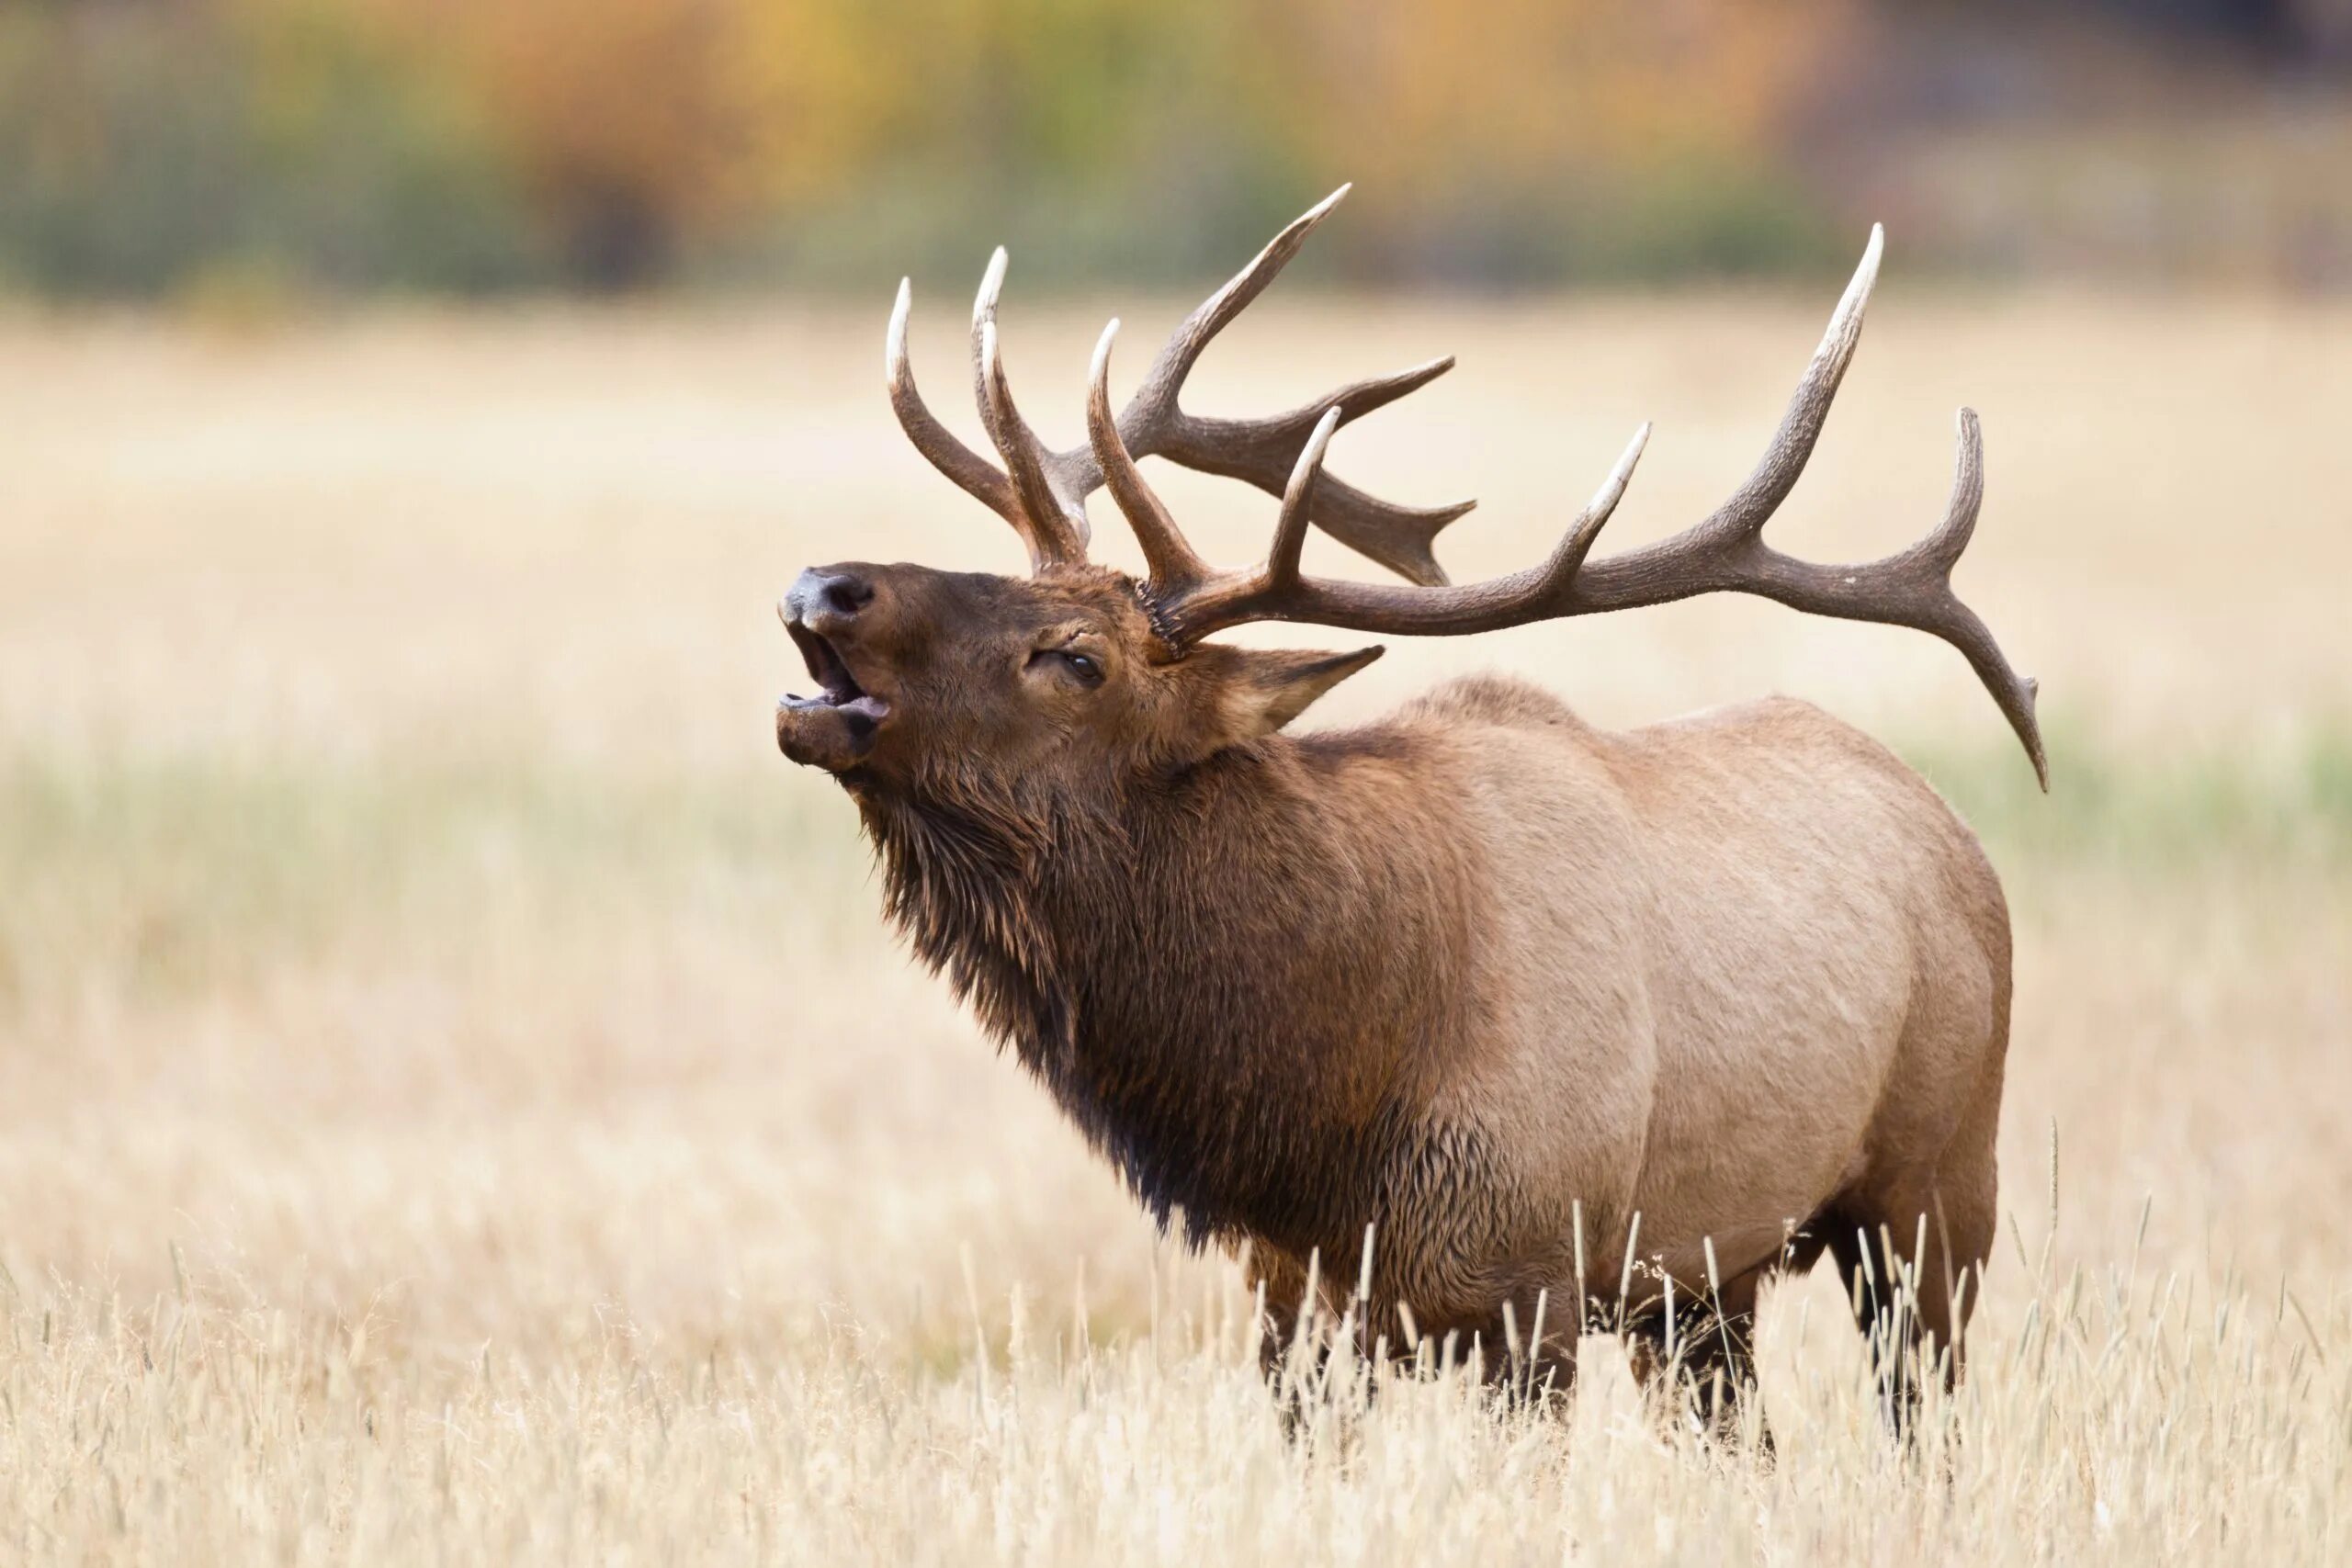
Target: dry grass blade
(403,923)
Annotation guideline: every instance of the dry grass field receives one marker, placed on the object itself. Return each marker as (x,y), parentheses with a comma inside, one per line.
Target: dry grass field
(458,1102)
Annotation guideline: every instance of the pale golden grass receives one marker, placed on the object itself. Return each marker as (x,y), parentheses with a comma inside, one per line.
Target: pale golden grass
(461,1104)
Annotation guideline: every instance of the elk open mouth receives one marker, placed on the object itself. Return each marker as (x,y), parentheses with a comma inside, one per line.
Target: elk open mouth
(835,729)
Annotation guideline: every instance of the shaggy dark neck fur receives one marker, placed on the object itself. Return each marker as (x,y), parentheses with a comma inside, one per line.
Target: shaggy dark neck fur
(1234,979)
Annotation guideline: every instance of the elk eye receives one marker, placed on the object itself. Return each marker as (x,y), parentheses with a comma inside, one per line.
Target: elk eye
(1085,669)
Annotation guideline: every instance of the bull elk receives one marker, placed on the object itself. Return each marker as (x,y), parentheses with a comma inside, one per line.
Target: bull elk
(1535,1001)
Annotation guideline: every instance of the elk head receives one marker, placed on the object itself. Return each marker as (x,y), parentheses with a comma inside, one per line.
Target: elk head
(1079,675)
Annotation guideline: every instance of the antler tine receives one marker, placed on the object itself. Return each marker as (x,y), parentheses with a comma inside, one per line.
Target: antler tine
(1725,552)
(1262,451)
(1174,566)
(1178,355)
(1058,528)
(1963,627)
(1298,498)
(1752,504)
(971,472)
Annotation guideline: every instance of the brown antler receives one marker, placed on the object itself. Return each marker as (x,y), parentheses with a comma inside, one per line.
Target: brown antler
(1723,553)
(1043,493)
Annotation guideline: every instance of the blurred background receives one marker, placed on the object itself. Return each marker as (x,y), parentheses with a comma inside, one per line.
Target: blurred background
(423,988)
(162,149)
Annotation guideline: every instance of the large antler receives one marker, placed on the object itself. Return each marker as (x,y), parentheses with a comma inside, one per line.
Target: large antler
(1725,552)
(1043,493)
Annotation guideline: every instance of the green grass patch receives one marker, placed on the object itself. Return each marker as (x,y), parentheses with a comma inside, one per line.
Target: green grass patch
(2275,805)
(162,874)
(155,876)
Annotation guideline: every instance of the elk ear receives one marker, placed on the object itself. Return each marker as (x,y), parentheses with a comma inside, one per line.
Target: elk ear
(1266,688)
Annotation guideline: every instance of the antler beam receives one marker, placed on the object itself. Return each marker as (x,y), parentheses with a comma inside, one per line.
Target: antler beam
(1723,552)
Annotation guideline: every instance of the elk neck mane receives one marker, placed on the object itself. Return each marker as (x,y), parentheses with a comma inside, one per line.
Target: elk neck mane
(1181,963)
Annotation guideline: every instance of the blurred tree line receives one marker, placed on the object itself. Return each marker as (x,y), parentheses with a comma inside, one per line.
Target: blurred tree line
(149,147)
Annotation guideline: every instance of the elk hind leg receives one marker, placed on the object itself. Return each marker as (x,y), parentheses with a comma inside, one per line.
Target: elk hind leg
(1912,1262)
(1707,1348)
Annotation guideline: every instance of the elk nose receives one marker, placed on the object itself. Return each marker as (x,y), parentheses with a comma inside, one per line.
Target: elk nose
(827,593)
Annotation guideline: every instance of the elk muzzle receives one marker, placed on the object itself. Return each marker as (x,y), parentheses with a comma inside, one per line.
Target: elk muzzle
(835,729)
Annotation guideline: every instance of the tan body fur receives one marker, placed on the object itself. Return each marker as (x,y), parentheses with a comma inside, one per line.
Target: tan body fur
(1744,975)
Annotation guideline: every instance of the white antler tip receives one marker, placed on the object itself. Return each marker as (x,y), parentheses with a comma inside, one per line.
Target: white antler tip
(1316,213)
(1099,376)
(1845,325)
(1866,273)
(1310,456)
(991,284)
(1613,488)
(894,342)
(1301,475)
